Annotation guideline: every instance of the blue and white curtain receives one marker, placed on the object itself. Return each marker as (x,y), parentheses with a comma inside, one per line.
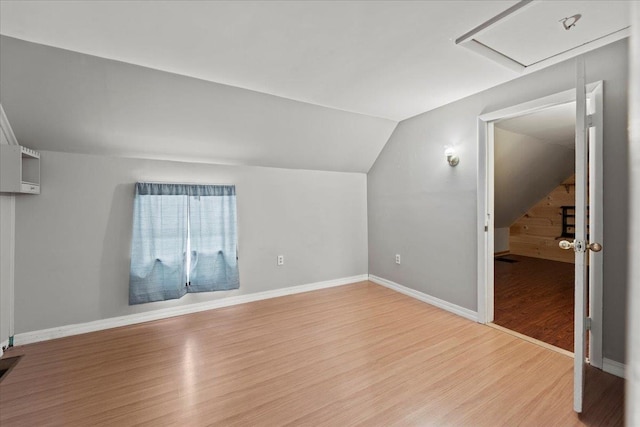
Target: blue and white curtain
(167,218)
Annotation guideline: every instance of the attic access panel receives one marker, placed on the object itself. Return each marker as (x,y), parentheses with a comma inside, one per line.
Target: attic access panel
(532,35)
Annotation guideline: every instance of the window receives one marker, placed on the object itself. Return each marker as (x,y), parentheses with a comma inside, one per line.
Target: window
(173,220)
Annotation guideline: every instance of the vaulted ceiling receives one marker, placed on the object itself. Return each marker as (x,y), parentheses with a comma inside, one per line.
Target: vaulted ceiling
(312,85)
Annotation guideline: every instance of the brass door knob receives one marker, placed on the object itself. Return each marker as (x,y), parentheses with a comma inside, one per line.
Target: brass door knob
(595,247)
(565,244)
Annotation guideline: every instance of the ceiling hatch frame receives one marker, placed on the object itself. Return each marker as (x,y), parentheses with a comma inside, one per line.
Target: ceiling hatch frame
(468,40)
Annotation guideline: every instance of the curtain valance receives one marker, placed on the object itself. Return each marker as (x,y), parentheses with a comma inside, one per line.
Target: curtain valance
(169,189)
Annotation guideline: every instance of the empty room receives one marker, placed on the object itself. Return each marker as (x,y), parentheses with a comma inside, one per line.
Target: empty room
(266,213)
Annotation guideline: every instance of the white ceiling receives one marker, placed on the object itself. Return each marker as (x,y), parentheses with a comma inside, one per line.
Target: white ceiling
(391,59)
(194,80)
(555,125)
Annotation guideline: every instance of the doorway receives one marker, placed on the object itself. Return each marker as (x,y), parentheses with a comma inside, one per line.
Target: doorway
(487,124)
(534,208)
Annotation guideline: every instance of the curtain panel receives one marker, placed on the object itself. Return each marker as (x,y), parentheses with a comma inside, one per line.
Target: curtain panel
(167,218)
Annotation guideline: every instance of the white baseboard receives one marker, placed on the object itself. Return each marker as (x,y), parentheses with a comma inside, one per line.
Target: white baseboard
(614,368)
(4,344)
(608,365)
(445,305)
(114,322)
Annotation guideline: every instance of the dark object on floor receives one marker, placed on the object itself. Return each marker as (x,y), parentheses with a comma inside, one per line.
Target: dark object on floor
(6,365)
(509,260)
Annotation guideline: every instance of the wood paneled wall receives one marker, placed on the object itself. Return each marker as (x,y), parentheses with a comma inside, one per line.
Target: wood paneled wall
(536,233)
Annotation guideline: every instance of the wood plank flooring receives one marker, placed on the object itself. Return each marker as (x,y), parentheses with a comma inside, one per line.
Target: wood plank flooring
(359,354)
(535,297)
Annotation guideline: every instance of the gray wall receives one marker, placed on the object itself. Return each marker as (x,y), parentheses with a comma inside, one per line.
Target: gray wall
(73,240)
(526,170)
(425,210)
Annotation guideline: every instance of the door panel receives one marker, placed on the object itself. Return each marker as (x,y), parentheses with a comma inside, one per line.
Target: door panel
(588,262)
(581,237)
(588,230)
(596,234)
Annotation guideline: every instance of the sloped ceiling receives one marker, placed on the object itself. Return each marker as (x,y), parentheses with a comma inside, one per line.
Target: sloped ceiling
(66,101)
(534,153)
(554,125)
(526,170)
(391,59)
(310,85)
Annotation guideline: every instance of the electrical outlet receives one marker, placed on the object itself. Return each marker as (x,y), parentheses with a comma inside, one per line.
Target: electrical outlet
(397,258)
(280,259)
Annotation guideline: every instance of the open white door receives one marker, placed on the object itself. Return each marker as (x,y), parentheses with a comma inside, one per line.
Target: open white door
(581,237)
(581,245)
(588,225)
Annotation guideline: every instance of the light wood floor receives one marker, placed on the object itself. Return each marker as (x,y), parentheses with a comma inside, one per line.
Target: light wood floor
(352,355)
(535,297)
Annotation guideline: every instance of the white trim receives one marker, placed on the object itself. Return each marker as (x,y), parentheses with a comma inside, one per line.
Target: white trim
(487,24)
(552,100)
(614,368)
(12,263)
(490,243)
(437,302)
(131,319)
(6,127)
(494,55)
(632,389)
(482,223)
(10,222)
(579,50)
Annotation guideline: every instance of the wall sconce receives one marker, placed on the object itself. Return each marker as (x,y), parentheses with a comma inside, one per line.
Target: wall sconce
(452,157)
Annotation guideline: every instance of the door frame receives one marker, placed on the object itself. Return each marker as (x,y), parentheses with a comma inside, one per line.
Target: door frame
(485,213)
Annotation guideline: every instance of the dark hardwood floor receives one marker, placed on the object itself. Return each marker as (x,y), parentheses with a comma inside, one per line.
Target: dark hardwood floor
(535,298)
